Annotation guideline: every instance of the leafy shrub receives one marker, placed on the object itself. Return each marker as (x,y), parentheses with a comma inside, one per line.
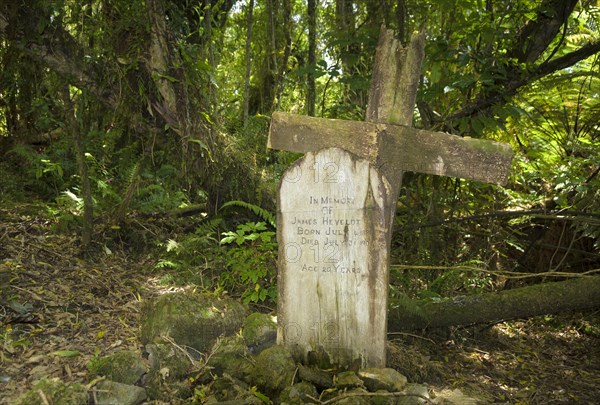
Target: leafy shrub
(196,258)
(240,262)
(251,262)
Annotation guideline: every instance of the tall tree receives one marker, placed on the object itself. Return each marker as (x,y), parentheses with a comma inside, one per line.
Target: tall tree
(74,130)
(312,57)
(249,21)
(349,50)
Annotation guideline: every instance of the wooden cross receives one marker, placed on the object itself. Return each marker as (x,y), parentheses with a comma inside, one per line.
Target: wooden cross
(336,206)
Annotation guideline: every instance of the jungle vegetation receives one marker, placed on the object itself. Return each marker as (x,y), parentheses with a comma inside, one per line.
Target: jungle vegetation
(141,126)
(114,107)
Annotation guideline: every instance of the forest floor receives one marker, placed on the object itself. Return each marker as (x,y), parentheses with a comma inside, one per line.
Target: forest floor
(59,310)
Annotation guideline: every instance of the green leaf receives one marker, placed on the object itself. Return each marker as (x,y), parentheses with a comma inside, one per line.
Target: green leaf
(172,245)
(21,342)
(199,142)
(206,117)
(266,236)
(227,240)
(261,396)
(477,126)
(66,353)
(262,295)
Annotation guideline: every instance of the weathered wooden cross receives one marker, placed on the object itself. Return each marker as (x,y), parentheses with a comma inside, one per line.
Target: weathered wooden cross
(336,206)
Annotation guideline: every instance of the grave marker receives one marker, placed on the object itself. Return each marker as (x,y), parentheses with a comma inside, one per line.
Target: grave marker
(336,205)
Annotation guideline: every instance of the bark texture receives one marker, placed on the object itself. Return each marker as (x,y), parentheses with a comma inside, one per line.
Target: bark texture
(312,57)
(395,148)
(395,79)
(540,299)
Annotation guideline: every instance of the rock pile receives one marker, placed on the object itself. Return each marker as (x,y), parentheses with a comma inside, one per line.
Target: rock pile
(200,349)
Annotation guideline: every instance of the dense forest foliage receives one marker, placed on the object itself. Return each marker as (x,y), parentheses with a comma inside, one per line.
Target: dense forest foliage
(138,128)
(114,107)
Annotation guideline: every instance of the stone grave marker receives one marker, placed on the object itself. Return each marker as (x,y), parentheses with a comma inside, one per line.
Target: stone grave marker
(336,205)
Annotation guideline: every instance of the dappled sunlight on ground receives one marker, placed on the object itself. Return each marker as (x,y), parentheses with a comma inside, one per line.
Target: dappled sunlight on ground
(59,310)
(540,361)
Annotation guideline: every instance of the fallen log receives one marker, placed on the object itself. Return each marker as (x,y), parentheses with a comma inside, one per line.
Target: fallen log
(540,299)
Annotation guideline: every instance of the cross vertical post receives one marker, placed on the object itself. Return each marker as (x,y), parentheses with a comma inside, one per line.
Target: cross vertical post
(337,203)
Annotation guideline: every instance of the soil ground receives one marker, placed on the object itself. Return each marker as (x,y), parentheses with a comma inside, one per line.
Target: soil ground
(59,309)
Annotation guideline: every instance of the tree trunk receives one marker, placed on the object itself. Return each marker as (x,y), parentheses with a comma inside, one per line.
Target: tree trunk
(287,50)
(134,182)
(86,190)
(270,93)
(248,62)
(540,299)
(401,20)
(312,57)
(350,52)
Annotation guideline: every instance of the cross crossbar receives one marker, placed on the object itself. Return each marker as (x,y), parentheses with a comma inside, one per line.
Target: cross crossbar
(395,148)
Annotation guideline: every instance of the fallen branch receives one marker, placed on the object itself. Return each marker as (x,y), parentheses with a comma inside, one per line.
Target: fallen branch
(514,275)
(370,394)
(546,298)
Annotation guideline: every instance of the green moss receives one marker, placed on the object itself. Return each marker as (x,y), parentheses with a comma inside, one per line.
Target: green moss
(275,369)
(55,392)
(258,329)
(232,357)
(298,394)
(124,367)
(191,319)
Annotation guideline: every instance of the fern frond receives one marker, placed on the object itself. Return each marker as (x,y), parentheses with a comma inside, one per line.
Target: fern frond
(262,213)
(166,264)
(209,227)
(133,173)
(26,153)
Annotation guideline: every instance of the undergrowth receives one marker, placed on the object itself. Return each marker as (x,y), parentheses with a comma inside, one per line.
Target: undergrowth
(240,262)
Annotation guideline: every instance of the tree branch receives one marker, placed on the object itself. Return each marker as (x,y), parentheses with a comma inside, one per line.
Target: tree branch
(567,60)
(511,86)
(535,36)
(531,42)
(50,52)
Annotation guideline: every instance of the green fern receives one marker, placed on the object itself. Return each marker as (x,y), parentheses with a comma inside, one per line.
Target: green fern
(166,264)
(133,173)
(209,227)
(26,153)
(262,213)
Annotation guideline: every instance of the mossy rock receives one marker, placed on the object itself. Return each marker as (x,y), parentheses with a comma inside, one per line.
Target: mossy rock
(55,392)
(228,390)
(416,394)
(348,379)
(259,331)
(382,379)
(355,397)
(194,320)
(110,392)
(385,398)
(320,378)
(165,388)
(124,367)
(275,369)
(298,394)
(232,356)
(169,367)
(172,361)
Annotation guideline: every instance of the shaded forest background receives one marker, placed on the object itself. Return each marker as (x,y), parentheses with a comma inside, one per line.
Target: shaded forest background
(133,152)
(116,112)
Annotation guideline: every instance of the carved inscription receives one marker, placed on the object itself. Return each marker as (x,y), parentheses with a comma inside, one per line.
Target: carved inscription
(332,290)
(325,226)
